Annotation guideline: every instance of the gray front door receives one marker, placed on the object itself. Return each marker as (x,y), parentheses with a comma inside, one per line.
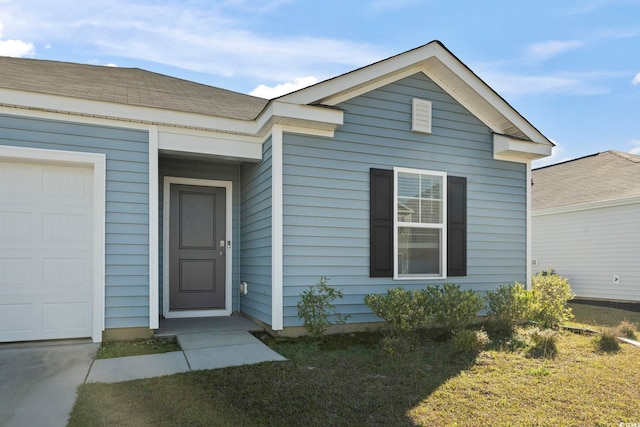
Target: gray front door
(197,246)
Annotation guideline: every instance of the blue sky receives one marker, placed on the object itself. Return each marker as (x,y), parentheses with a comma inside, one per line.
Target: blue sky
(572,68)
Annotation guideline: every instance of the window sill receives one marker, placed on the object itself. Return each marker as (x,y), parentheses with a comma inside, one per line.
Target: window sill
(419,277)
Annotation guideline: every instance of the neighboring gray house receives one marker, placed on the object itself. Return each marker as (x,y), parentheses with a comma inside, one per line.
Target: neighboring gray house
(586,224)
(127,195)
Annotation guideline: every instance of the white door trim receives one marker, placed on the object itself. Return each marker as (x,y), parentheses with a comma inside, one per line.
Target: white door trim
(97,161)
(166,207)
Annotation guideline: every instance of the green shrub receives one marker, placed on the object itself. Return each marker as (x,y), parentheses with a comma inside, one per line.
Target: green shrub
(453,309)
(607,340)
(403,311)
(550,294)
(627,329)
(470,342)
(317,310)
(544,342)
(510,305)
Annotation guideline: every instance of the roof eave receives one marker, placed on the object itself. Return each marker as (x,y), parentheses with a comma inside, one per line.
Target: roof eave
(519,150)
(441,66)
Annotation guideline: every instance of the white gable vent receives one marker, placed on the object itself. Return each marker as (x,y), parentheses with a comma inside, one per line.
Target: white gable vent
(421,116)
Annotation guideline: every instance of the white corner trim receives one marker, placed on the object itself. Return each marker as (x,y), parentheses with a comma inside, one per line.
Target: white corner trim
(517,150)
(529,230)
(277,303)
(166,206)
(154,232)
(98,162)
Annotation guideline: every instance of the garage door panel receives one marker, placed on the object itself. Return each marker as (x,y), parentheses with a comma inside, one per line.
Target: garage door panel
(64,317)
(15,225)
(64,271)
(19,179)
(46,243)
(66,182)
(16,271)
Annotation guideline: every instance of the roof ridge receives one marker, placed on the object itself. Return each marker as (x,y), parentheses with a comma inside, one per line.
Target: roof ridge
(627,156)
(568,161)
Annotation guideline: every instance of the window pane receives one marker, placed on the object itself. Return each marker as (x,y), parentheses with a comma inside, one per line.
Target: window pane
(431,211)
(431,187)
(408,185)
(419,251)
(419,198)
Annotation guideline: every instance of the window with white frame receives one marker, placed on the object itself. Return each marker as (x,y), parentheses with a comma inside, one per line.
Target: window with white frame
(420,223)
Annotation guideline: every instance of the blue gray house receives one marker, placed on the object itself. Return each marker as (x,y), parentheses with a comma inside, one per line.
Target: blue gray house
(126,195)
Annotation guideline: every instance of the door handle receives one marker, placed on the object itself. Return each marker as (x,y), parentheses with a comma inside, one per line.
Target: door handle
(222,253)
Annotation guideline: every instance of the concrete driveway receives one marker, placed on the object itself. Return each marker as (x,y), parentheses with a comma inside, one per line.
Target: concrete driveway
(39,381)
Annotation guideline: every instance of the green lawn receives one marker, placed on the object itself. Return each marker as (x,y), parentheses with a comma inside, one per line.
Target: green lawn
(351,380)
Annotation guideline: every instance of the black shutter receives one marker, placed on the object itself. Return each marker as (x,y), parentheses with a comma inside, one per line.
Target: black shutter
(456,226)
(381,223)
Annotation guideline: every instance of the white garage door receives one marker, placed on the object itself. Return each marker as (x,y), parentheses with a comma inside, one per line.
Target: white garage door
(45,251)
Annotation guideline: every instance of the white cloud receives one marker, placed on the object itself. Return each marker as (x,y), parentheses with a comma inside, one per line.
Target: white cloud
(513,84)
(636,148)
(636,79)
(17,49)
(546,50)
(264,91)
(111,64)
(200,36)
(378,6)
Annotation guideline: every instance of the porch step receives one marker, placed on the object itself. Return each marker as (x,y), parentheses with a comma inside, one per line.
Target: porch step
(235,323)
(214,350)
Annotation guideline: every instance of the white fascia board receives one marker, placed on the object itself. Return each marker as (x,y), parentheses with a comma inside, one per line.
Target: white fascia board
(49,115)
(372,85)
(518,150)
(587,206)
(423,59)
(362,76)
(105,113)
(489,95)
(232,146)
(86,107)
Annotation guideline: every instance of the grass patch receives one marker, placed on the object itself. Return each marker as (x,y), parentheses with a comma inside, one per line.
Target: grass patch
(351,380)
(113,349)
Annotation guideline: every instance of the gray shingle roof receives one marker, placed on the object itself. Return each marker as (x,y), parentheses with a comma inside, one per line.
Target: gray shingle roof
(610,175)
(131,86)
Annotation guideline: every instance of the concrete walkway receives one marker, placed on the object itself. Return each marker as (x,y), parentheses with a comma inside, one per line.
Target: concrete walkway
(39,381)
(200,350)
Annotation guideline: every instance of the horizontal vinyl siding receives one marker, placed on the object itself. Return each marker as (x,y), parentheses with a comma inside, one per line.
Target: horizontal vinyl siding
(589,247)
(326,195)
(127,204)
(200,169)
(256,236)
